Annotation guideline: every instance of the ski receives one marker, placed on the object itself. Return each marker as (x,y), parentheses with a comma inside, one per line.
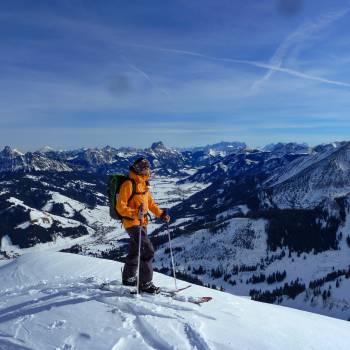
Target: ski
(113,286)
(201,300)
(190,299)
(123,290)
(165,291)
(170,293)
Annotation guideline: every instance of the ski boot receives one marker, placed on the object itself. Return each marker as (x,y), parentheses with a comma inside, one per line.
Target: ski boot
(149,287)
(131,282)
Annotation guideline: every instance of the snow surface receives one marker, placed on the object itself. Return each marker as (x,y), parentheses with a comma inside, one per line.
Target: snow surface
(5,242)
(45,219)
(51,300)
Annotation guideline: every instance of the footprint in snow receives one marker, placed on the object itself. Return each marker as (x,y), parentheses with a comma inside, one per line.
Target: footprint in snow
(59,324)
(77,342)
(33,291)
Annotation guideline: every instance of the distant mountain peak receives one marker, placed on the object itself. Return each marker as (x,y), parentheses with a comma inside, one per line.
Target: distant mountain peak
(158,146)
(46,149)
(287,147)
(9,152)
(329,146)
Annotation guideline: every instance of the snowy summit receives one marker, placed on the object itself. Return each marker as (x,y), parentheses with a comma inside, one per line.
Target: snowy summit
(53,301)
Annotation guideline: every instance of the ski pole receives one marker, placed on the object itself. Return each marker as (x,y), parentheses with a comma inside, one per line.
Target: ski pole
(140,216)
(171,253)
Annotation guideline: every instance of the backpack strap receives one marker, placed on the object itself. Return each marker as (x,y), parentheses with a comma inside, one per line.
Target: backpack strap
(133,182)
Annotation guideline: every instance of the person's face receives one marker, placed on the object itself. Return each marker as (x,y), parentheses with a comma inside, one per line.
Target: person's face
(146,172)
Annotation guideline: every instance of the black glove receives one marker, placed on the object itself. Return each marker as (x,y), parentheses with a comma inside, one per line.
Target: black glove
(165,215)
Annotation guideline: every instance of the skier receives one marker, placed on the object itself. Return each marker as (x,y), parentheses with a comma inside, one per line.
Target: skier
(134,209)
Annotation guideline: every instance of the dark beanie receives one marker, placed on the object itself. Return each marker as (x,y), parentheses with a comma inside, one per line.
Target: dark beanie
(140,164)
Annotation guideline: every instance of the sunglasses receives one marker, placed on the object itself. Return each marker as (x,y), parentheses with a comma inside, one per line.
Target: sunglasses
(142,166)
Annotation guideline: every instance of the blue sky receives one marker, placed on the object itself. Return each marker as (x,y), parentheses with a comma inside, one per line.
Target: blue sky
(91,73)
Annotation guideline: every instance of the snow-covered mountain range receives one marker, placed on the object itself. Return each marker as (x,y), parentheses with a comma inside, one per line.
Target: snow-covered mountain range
(14,160)
(272,226)
(271,223)
(106,160)
(165,161)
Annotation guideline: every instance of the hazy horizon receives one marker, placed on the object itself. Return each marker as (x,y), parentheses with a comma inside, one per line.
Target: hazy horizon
(165,144)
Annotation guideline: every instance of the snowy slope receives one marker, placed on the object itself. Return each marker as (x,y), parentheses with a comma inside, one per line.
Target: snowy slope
(51,301)
(234,254)
(307,181)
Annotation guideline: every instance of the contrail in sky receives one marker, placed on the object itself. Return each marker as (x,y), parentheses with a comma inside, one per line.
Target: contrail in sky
(268,66)
(299,35)
(144,74)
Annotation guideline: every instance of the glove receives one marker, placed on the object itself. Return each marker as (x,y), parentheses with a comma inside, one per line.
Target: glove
(165,215)
(141,214)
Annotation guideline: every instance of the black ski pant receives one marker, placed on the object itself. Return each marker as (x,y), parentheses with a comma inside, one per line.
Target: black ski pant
(147,254)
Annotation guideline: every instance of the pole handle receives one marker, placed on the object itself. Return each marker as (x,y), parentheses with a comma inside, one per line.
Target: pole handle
(140,214)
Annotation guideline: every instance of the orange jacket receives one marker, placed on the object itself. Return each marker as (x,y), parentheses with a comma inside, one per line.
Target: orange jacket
(130,210)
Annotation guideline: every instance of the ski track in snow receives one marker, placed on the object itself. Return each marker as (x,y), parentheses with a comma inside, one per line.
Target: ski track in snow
(7,342)
(53,311)
(196,340)
(20,325)
(150,337)
(65,293)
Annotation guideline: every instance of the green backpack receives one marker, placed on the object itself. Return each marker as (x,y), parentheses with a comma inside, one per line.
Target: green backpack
(114,183)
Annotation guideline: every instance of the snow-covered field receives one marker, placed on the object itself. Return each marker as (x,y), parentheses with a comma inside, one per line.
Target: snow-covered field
(51,300)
